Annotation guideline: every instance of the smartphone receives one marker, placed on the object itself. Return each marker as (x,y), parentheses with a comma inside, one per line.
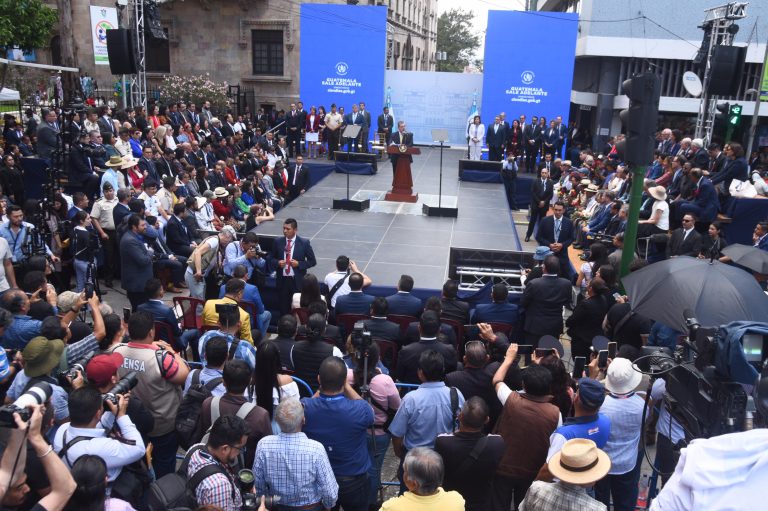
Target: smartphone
(602,359)
(543,352)
(126,314)
(612,347)
(616,296)
(578,367)
(525,349)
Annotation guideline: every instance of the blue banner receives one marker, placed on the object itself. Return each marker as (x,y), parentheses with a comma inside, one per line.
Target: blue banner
(528,65)
(343,56)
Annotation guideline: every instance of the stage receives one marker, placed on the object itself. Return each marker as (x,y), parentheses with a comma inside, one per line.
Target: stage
(392,238)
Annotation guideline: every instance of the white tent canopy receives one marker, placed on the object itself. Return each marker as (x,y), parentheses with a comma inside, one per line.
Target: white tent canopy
(9,95)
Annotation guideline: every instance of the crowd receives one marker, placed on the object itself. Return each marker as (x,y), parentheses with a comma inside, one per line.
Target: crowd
(201,404)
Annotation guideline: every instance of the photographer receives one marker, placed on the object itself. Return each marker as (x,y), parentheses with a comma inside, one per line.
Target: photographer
(205,263)
(101,372)
(85,244)
(83,160)
(246,252)
(62,486)
(227,439)
(42,295)
(84,435)
(17,233)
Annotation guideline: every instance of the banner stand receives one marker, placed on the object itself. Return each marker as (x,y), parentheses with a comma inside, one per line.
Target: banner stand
(351,131)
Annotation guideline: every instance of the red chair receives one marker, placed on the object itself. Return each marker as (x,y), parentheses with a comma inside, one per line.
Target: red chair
(505,328)
(347,322)
(457,326)
(388,353)
(302,315)
(252,311)
(403,321)
(164,332)
(189,316)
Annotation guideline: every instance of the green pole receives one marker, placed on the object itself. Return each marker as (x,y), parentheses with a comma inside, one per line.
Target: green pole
(630,233)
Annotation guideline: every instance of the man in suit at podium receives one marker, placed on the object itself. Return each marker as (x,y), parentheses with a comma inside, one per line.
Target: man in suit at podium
(290,257)
(401,137)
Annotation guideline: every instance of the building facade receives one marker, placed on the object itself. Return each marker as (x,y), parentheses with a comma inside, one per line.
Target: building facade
(618,38)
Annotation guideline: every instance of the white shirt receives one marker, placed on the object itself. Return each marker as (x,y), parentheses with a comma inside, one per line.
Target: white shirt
(663,222)
(288,255)
(5,253)
(331,279)
(476,131)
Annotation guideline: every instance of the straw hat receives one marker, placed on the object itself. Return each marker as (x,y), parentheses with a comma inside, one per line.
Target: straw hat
(592,188)
(128,162)
(200,202)
(579,462)
(220,192)
(115,162)
(622,378)
(658,192)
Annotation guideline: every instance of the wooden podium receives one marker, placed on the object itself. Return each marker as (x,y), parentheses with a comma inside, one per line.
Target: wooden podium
(402,182)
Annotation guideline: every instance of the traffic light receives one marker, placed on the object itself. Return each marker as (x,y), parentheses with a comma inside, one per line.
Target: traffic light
(641,117)
(734,115)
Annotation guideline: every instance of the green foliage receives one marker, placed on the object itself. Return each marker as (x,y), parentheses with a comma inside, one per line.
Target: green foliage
(457,37)
(25,23)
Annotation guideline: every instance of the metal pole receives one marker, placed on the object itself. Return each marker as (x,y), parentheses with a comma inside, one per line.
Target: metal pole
(758,100)
(630,234)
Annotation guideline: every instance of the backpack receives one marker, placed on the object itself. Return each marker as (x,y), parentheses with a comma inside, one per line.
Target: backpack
(242,412)
(188,424)
(174,492)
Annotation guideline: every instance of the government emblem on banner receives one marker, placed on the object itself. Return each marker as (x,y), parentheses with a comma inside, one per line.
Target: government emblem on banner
(527,77)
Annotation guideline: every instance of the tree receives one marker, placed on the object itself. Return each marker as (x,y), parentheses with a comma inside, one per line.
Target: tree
(457,38)
(26,24)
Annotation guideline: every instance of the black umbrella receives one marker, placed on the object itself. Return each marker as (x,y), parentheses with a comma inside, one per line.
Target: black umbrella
(716,292)
(748,256)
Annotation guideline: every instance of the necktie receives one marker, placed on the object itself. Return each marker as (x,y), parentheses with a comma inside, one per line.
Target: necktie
(288,249)
(296,173)
(557,229)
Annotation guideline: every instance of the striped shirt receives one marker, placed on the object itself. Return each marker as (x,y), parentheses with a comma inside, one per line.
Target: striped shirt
(562,496)
(295,468)
(626,414)
(214,490)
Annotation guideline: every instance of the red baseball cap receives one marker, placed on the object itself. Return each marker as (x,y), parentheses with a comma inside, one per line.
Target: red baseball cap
(101,368)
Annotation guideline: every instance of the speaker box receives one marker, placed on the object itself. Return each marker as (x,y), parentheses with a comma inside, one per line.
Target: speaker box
(122,60)
(727,67)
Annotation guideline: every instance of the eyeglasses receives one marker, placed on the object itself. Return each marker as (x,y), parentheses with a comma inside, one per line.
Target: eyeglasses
(238,449)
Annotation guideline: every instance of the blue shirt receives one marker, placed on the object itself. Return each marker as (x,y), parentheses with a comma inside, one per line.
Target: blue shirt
(250,294)
(592,427)
(58,395)
(341,425)
(21,331)
(234,256)
(16,241)
(206,374)
(425,413)
(245,350)
(626,415)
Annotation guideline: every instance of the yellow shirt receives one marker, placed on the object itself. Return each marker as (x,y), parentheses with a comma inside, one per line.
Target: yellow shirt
(211,317)
(440,501)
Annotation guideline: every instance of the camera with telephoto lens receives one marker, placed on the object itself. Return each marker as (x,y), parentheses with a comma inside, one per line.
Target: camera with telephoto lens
(89,286)
(257,250)
(251,501)
(66,377)
(361,337)
(122,387)
(37,394)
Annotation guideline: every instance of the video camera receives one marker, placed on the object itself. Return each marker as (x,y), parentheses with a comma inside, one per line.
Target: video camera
(361,337)
(123,386)
(37,394)
(711,377)
(251,501)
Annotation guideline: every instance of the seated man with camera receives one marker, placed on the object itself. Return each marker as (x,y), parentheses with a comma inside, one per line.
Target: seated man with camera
(215,486)
(85,435)
(229,328)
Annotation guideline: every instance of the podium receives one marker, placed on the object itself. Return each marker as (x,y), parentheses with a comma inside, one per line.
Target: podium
(402,182)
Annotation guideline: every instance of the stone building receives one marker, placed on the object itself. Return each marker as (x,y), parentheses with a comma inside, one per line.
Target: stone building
(253,43)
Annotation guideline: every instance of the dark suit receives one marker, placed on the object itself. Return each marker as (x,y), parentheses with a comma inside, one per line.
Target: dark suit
(298,183)
(546,236)
(150,168)
(136,268)
(717,164)
(119,212)
(408,359)
(543,301)
(446,335)
(400,139)
(540,193)
(294,124)
(585,323)
(549,141)
(46,139)
(405,304)
(380,328)
(503,312)
(703,204)
(495,138)
(355,302)
(178,238)
(164,314)
(455,309)
(356,119)
(690,246)
(384,124)
(106,125)
(287,285)
(532,136)
(733,169)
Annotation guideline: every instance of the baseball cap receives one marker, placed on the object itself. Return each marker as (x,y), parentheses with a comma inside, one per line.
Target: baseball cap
(591,392)
(101,368)
(66,301)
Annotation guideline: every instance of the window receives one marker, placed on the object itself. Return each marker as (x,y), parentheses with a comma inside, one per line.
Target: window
(158,54)
(267,52)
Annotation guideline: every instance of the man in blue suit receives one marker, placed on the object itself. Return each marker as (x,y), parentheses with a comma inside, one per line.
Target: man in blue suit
(704,203)
(556,232)
(135,261)
(760,236)
(251,295)
(164,314)
(177,236)
(290,258)
(403,302)
(354,302)
(599,220)
(354,117)
(500,311)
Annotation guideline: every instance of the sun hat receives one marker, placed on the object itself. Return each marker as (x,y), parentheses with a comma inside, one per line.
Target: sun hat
(592,188)
(541,253)
(128,162)
(658,192)
(591,393)
(220,192)
(200,202)
(115,162)
(66,301)
(101,368)
(622,378)
(41,355)
(585,182)
(579,462)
